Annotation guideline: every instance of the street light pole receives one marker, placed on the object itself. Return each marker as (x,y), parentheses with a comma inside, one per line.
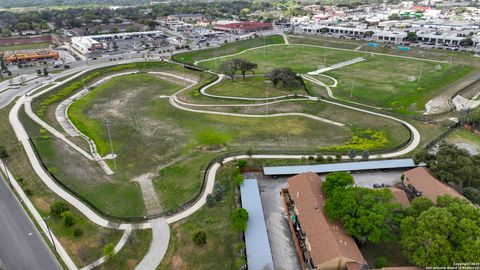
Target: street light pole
(267,101)
(183,71)
(111,144)
(353,82)
(264,44)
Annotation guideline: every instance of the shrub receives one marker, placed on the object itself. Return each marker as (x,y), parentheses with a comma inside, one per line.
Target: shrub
(218,192)
(58,207)
(199,238)
(77,232)
(210,201)
(29,192)
(67,219)
(108,250)
(3,152)
(238,179)
(239,219)
(241,164)
(381,262)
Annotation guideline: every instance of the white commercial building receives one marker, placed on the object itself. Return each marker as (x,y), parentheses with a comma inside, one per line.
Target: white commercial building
(87,45)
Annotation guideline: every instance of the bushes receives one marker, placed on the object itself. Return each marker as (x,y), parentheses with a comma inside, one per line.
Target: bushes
(67,219)
(199,238)
(58,208)
(239,219)
(109,250)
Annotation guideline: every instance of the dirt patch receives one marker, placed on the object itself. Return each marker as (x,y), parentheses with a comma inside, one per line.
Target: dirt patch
(42,204)
(177,262)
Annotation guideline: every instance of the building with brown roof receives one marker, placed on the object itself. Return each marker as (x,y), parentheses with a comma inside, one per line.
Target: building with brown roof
(422,181)
(328,245)
(400,197)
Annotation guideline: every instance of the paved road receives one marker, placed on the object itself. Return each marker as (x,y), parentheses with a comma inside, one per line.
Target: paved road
(21,246)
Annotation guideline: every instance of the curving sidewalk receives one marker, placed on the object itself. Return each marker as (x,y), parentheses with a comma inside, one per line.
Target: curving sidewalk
(160,243)
(222,76)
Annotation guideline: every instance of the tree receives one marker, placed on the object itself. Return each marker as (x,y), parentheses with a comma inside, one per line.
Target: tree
(238,179)
(45,72)
(369,33)
(365,154)
(442,235)
(239,219)
(228,68)
(411,36)
(3,152)
(467,42)
(210,201)
(109,250)
(58,207)
(366,214)
(286,76)
(67,219)
(77,232)
(418,206)
(394,17)
(244,12)
(336,180)
(241,164)
(115,30)
(455,166)
(39,72)
(244,66)
(218,192)
(352,153)
(472,194)
(199,238)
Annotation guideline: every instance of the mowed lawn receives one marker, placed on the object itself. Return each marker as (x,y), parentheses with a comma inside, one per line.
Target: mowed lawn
(384,81)
(301,59)
(150,136)
(393,83)
(227,49)
(254,87)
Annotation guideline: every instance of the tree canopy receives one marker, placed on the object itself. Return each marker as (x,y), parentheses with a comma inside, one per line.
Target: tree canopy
(453,165)
(336,180)
(442,235)
(239,219)
(366,214)
(286,76)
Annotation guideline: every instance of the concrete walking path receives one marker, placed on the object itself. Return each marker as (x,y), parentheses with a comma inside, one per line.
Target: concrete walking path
(158,247)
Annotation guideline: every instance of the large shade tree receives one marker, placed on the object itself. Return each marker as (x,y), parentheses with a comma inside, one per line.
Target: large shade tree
(442,235)
(366,214)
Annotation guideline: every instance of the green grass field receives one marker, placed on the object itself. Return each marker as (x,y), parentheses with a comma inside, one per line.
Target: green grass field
(229,48)
(383,81)
(163,134)
(254,87)
(379,83)
(32,46)
(220,250)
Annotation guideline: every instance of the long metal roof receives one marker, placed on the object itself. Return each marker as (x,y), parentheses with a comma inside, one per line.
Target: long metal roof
(259,255)
(340,167)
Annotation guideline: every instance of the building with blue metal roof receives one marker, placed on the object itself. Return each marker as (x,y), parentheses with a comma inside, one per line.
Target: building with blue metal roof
(341,167)
(259,255)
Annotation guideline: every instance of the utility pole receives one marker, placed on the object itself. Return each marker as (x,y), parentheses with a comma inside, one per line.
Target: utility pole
(353,83)
(183,71)
(264,44)
(111,144)
(266,111)
(421,68)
